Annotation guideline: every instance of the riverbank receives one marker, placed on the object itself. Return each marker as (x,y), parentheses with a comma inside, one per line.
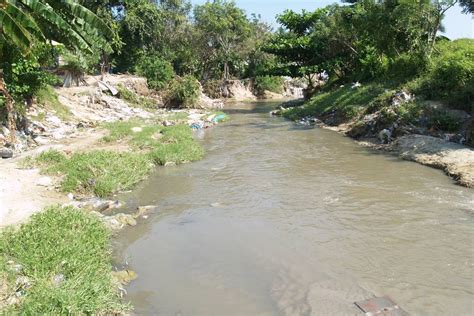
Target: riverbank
(79,148)
(425,132)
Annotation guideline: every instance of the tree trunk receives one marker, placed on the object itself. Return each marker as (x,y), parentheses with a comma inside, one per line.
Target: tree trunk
(226,71)
(9,107)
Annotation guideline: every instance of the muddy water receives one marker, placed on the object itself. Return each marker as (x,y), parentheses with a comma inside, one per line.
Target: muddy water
(286,220)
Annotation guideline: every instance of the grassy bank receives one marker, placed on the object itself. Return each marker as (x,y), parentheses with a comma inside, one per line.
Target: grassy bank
(58,263)
(436,99)
(103,172)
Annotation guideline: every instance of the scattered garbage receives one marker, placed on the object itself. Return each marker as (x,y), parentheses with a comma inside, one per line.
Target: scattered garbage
(380,306)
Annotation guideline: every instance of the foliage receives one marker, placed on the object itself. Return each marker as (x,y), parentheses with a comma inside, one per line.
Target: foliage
(61,242)
(182,92)
(222,28)
(449,75)
(25,78)
(157,71)
(444,120)
(136,100)
(270,83)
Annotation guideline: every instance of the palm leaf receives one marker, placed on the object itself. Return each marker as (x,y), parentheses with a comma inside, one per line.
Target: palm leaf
(48,14)
(14,31)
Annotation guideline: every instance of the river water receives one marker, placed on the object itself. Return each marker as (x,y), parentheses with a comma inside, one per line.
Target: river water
(280,219)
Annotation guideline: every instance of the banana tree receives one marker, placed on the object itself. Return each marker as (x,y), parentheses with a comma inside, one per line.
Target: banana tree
(26,22)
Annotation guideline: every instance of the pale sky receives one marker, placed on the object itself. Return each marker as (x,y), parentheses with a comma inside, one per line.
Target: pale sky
(457,25)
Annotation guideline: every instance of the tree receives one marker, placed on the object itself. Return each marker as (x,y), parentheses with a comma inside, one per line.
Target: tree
(222,27)
(26,22)
(297,53)
(467,5)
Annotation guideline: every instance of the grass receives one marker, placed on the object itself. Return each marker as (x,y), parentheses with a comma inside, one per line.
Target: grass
(135,100)
(103,173)
(48,99)
(347,102)
(99,172)
(172,144)
(61,242)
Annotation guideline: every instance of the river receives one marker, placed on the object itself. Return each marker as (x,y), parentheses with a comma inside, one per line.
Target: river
(280,219)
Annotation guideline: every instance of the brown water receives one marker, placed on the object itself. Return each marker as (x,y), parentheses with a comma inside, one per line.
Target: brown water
(286,220)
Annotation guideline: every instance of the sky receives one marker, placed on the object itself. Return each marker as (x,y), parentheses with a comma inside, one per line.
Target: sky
(457,25)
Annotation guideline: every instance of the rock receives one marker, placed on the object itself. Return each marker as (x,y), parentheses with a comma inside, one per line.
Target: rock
(44,182)
(41,140)
(385,136)
(5,131)
(124,277)
(137,129)
(142,210)
(54,120)
(6,153)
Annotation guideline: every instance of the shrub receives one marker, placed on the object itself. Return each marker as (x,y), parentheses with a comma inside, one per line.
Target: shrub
(182,91)
(157,71)
(212,88)
(268,83)
(450,75)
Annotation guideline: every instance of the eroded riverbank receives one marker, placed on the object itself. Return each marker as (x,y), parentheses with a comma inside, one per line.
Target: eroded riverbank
(285,219)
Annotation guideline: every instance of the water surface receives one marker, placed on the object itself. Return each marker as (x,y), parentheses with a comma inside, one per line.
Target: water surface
(280,219)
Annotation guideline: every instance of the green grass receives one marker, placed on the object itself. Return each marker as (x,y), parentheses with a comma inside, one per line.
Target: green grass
(172,144)
(61,241)
(48,99)
(135,100)
(346,101)
(102,172)
(99,172)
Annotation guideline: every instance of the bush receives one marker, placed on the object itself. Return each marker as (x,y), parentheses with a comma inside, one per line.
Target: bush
(406,66)
(157,71)
(450,75)
(212,88)
(182,92)
(268,83)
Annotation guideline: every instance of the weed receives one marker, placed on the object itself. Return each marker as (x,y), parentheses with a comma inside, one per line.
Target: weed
(65,254)
(48,98)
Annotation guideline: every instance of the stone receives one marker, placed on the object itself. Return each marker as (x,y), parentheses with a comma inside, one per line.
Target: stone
(53,120)
(142,210)
(44,182)
(124,277)
(6,153)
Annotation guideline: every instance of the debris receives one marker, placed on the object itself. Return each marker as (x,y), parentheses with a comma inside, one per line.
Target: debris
(380,306)
(137,129)
(142,210)
(105,86)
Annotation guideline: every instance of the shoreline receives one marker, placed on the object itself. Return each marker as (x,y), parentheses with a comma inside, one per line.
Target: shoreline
(455,160)
(117,140)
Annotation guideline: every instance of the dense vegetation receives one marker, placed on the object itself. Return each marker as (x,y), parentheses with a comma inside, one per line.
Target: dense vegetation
(175,45)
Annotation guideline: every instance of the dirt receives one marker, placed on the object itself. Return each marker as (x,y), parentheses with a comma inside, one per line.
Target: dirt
(456,160)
